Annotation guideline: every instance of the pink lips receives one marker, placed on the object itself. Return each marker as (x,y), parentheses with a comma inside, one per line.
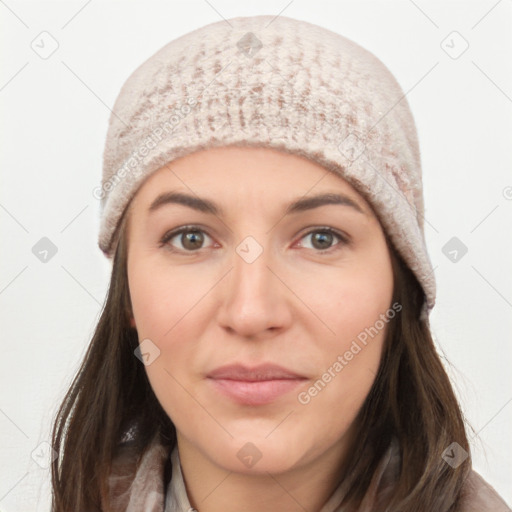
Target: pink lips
(259,385)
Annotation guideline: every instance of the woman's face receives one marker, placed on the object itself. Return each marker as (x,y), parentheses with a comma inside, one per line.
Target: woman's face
(252,280)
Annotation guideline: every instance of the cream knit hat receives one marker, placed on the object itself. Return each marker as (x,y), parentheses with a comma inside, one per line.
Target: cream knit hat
(276,82)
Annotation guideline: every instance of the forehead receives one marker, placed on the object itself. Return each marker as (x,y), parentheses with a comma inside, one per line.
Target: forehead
(235,175)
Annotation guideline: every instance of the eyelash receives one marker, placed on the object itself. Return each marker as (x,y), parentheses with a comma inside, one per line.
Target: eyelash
(164,242)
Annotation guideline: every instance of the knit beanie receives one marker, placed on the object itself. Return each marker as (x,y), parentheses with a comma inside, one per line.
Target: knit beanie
(284,84)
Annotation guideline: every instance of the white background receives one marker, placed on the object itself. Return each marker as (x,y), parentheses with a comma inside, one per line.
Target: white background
(54,115)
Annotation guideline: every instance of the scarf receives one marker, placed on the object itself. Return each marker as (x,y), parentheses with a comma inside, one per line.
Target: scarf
(142,488)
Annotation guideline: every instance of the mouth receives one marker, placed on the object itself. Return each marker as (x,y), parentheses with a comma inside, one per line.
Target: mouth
(258,385)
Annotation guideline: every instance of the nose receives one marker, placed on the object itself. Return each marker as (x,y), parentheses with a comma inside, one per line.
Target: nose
(255,302)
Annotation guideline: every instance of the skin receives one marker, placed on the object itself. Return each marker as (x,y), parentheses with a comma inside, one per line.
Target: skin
(204,306)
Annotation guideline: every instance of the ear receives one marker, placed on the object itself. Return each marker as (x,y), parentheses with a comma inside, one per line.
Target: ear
(132,322)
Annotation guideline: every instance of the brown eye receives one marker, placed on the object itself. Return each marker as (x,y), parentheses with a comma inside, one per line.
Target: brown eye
(192,240)
(189,239)
(324,239)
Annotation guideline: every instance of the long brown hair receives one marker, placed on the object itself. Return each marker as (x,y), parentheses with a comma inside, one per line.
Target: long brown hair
(411,400)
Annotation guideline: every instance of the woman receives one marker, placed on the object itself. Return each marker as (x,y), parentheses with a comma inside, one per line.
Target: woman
(265,343)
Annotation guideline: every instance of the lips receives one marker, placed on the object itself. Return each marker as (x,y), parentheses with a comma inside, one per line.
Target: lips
(259,385)
(256,373)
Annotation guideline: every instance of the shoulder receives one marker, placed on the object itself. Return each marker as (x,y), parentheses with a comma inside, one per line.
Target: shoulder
(479,496)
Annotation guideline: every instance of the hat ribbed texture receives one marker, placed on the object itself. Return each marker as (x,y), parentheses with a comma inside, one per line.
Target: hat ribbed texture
(281,83)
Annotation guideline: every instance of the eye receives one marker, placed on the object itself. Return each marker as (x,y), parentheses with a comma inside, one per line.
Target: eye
(190,238)
(322,239)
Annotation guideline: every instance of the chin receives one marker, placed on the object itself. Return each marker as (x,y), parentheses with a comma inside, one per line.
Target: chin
(256,454)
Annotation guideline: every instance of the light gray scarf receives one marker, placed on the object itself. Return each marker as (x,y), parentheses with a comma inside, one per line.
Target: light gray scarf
(142,489)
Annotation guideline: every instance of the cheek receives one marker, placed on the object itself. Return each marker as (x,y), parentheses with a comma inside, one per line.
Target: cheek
(163,305)
(162,297)
(350,365)
(351,302)
(356,306)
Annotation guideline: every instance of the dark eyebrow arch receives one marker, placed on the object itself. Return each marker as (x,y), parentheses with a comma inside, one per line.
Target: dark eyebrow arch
(308,203)
(207,206)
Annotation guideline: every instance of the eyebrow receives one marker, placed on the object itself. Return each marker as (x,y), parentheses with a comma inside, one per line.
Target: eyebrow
(207,206)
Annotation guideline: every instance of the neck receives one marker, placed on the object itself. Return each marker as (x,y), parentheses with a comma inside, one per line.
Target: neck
(306,487)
